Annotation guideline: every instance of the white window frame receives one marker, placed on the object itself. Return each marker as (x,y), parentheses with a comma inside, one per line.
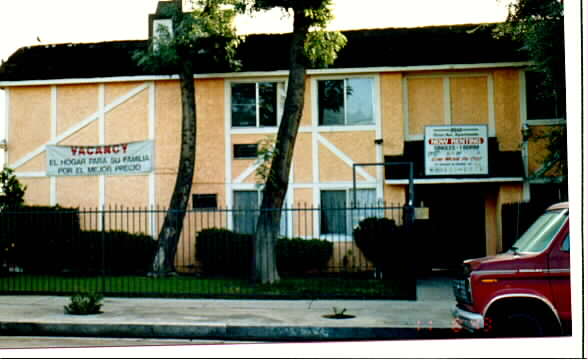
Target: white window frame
(346,126)
(336,237)
(281,90)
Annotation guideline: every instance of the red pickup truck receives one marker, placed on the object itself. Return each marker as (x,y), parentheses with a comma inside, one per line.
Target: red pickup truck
(524,291)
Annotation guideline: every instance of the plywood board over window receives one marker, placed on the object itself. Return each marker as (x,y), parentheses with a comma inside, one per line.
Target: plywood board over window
(425,104)
(469,100)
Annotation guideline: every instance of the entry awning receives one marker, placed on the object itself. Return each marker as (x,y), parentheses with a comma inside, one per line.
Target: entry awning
(503,166)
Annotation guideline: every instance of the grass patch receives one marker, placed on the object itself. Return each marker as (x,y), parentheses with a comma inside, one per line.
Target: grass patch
(195,287)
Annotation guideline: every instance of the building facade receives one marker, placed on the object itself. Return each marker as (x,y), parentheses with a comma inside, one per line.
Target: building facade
(384,102)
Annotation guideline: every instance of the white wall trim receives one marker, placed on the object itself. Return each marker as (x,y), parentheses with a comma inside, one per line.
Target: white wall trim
(491,107)
(457,181)
(447,109)
(151,134)
(52,180)
(245,174)
(6,124)
(545,122)
(30,174)
(75,128)
(524,125)
(101,141)
(277,73)
(228,153)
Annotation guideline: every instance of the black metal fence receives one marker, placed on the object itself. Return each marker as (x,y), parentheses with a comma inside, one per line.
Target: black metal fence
(62,251)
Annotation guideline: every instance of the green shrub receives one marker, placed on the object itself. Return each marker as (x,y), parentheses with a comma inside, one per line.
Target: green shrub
(120,252)
(223,252)
(84,304)
(380,240)
(300,255)
(38,238)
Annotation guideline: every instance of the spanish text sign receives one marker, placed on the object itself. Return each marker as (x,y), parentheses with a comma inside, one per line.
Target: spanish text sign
(456,150)
(117,159)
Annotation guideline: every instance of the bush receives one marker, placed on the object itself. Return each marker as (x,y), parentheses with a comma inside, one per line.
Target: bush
(300,255)
(84,304)
(223,252)
(124,253)
(374,237)
(38,238)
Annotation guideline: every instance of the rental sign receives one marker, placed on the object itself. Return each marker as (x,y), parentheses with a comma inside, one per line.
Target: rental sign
(116,159)
(456,150)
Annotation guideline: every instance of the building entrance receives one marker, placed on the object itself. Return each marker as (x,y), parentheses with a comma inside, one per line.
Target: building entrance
(455,230)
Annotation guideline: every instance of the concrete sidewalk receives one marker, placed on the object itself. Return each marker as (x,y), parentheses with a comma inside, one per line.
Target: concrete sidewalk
(264,320)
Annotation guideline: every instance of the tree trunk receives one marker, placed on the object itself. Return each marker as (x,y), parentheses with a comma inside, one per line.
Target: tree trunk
(268,225)
(163,263)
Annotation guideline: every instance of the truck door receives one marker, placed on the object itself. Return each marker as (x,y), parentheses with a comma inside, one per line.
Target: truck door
(559,271)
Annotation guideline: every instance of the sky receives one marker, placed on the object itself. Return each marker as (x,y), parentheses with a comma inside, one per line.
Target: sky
(37,22)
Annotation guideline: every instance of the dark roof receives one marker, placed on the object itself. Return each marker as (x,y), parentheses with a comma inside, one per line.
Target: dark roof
(463,44)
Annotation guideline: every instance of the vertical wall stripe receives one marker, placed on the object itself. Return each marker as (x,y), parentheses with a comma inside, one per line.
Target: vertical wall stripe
(525,127)
(379,135)
(228,163)
(491,113)
(101,140)
(447,99)
(6,124)
(152,178)
(53,180)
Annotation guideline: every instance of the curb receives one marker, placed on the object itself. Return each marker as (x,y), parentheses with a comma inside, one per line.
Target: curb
(220,332)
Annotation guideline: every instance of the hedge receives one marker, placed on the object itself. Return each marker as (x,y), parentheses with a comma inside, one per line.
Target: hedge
(223,252)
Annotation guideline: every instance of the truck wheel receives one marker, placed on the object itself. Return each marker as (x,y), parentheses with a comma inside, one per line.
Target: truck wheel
(520,324)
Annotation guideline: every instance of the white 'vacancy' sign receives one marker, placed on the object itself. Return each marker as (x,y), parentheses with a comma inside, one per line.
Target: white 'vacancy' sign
(117,159)
(456,150)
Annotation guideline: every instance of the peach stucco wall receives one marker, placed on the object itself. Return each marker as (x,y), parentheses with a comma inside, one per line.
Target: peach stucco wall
(469,100)
(507,109)
(392,113)
(425,104)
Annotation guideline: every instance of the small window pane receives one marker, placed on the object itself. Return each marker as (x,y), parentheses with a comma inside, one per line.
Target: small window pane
(245,151)
(243,105)
(333,219)
(565,246)
(268,112)
(359,102)
(204,201)
(331,102)
(245,211)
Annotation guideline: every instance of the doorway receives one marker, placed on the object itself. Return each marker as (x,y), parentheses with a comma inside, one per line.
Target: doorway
(456,228)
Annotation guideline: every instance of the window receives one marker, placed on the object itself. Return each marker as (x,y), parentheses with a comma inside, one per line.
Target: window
(256,104)
(245,151)
(565,246)
(204,201)
(246,210)
(337,214)
(542,104)
(346,101)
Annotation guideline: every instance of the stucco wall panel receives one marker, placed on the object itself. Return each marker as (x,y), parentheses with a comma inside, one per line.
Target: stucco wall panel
(210,144)
(303,158)
(168,112)
(78,191)
(469,100)
(129,121)
(391,112)
(358,146)
(38,163)
(507,109)
(115,90)
(127,191)
(74,104)
(30,119)
(37,190)
(306,119)
(86,136)
(425,104)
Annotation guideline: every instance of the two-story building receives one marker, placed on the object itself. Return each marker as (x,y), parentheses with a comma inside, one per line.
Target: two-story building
(452,100)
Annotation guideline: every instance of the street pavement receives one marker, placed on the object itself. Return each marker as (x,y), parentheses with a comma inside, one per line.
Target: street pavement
(429,317)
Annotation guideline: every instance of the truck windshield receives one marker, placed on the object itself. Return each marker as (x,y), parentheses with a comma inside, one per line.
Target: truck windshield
(540,234)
